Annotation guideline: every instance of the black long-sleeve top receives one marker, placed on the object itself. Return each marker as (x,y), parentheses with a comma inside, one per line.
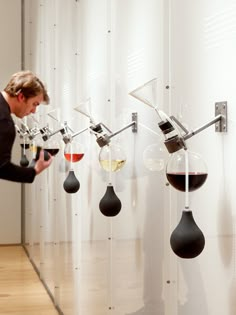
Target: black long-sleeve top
(8,170)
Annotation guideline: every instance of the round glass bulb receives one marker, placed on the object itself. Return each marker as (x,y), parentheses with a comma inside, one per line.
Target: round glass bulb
(112,158)
(73,152)
(154,157)
(52,146)
(186,162)
(24,143)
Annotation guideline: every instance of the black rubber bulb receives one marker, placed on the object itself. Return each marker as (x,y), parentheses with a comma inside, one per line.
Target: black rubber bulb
(71,184)
(24,161)
(187,240)
(110,204)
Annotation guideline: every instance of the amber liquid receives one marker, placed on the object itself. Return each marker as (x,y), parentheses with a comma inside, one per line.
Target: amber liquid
(177,180)
(52,151)
(74,157)
(113,165)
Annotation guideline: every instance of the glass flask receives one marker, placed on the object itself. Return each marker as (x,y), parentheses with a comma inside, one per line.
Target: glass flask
(182,163)
(112,158)
(52,146)
(24,143)
(154,157)
(73,152)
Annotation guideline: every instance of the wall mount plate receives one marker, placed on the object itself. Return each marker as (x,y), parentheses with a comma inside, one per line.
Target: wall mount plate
(135,119)
(221,109)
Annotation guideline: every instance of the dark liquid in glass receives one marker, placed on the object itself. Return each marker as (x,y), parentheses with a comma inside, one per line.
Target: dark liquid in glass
(52,151)
(177,180)
(26,145)
(74,157)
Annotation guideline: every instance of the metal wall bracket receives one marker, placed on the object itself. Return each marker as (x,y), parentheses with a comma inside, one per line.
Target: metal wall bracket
(135,119)
(221,109)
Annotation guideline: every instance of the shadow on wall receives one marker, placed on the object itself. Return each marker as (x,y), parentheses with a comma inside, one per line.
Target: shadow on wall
(227,247)
(153,246)
(195,294)
(232,297)
(225,232)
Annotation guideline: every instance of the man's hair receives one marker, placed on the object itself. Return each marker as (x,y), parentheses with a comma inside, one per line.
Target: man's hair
(28,84)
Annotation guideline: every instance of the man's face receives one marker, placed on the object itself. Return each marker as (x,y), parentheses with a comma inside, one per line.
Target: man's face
(28,106)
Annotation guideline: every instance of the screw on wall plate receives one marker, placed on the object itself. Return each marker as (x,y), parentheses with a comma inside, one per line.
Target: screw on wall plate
(221,109)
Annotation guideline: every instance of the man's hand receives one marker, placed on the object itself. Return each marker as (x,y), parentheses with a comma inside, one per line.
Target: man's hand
(41,164)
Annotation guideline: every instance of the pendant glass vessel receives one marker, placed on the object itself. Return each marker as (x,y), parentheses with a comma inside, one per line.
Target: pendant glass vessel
(112,158)
(73,153)
(176,170)
(52,146)
(24,146)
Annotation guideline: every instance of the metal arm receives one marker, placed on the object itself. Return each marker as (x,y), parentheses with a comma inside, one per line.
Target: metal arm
(194,132)
(79,132)
(104,139)
(122,129)
(176,142)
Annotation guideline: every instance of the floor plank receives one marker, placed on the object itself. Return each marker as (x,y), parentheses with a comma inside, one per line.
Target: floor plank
(21,291)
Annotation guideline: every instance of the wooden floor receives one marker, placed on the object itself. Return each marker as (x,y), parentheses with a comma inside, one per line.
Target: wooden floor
(21,291)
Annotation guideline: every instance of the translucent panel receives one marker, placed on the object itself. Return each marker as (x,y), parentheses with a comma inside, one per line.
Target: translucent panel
(91,263)
(94,278)
(36,203)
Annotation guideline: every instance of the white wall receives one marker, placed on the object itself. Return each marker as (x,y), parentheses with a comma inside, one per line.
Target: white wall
(10,62)
(203,45)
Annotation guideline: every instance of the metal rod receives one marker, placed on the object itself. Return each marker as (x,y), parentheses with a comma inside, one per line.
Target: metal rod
(194,132)
(79,132)
(122,129)
(105,127)
(179,124)
(55,132)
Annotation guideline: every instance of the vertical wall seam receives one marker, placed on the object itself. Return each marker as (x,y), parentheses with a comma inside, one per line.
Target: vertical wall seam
(22,8)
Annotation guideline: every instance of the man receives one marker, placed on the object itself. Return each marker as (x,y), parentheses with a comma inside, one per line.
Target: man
(22,95)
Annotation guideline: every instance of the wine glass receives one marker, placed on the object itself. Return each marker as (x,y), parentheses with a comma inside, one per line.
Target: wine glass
(73,152)
(112,158)
(52,146)
(176,170)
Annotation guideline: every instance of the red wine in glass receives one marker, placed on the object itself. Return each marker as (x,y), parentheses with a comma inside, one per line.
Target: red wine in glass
(177,180)
(74,157)
(52,151)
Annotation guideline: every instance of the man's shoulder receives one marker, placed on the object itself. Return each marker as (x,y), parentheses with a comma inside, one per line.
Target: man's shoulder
(4,109)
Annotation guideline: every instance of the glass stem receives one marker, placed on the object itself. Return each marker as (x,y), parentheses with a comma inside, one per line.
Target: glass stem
(34,149)
(110,167)
(186,181)
(158,114)
(71,168)
(23,146)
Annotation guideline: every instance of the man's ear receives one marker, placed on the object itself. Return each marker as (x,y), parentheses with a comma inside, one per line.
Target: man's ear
(20,97)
